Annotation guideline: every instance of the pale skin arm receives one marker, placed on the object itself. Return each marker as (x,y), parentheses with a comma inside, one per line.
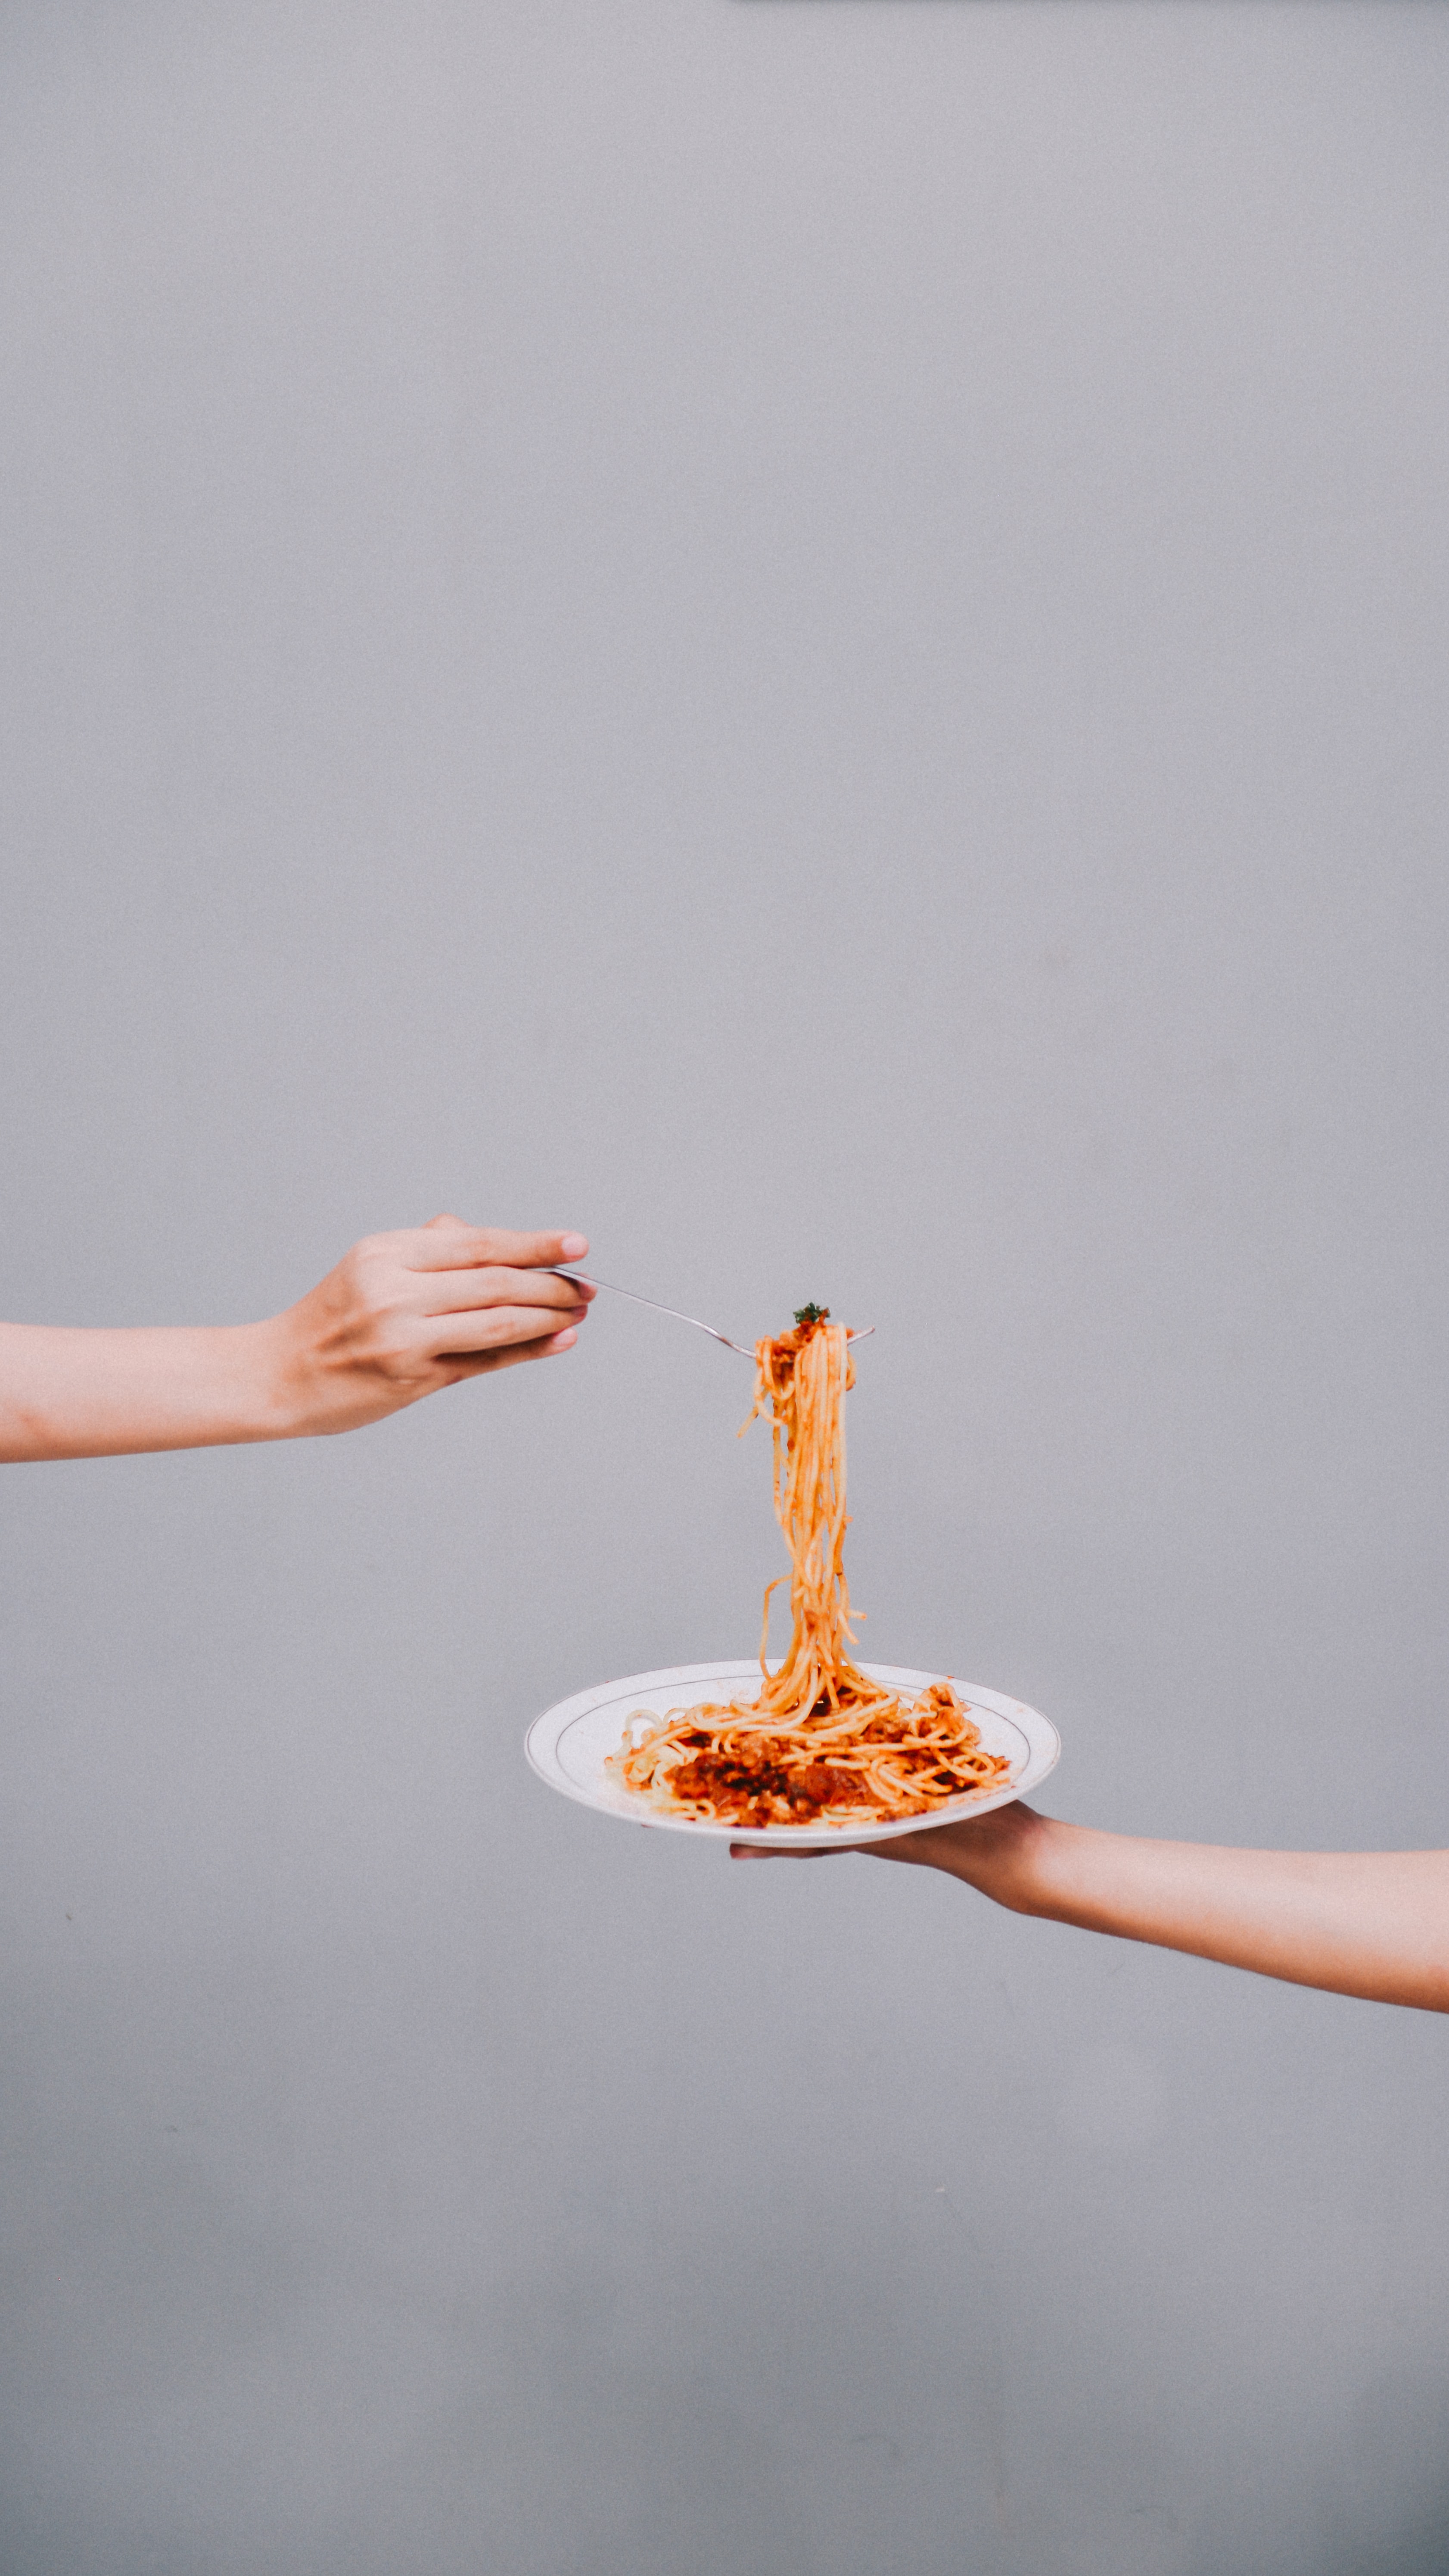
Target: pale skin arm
(401,1316)
(1374,1924)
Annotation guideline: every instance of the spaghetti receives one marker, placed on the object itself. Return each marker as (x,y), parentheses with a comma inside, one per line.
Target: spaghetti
(823,1743)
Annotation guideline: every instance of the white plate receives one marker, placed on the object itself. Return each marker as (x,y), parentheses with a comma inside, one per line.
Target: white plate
(569,1744)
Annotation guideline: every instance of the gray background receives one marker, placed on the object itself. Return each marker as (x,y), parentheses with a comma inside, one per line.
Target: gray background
(811,637)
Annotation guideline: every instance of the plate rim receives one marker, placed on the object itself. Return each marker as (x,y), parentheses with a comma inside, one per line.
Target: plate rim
(1044,1748)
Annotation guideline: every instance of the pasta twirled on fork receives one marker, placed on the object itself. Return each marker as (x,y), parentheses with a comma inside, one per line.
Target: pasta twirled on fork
(823,1743)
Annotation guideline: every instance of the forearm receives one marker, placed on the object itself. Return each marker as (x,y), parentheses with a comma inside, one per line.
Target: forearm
(95,1394)
(1374,1924)
(402,1315)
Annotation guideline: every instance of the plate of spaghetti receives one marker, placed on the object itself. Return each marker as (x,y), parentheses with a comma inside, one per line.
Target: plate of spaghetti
(810,1746)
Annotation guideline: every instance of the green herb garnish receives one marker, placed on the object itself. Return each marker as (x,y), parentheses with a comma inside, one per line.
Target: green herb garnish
(812,1314)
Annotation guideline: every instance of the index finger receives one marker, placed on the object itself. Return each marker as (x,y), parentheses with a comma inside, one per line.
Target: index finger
(449,1244)
(796,1851)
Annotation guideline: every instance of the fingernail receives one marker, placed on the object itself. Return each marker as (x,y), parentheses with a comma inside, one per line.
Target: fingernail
(563,1341)
(575,1246)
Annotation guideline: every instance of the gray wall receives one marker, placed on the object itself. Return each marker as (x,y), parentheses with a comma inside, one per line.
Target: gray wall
(812,637)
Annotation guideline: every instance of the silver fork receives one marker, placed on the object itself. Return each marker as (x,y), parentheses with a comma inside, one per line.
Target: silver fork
(635,1299)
